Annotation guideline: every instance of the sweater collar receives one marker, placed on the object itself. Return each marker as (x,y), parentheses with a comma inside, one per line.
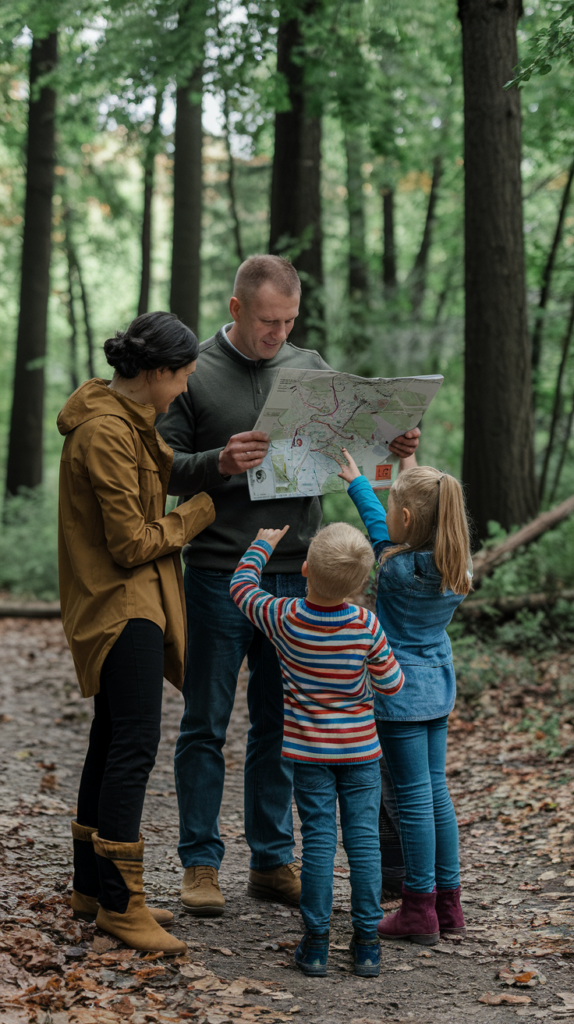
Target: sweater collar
(326,610)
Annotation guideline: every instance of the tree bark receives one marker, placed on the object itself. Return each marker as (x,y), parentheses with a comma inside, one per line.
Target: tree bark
(231,186)
(71,312)
(556,404)
(146,231)
(358,275)
(389,243)
(187,201)
(498,459)
(75,259)
(26,424)
(295,214)
(546,279)
(563,450)
(418,275)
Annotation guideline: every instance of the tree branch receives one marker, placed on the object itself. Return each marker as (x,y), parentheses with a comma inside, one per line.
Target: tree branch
(488,559)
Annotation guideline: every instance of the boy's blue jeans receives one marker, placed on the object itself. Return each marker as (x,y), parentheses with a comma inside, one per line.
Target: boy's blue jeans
(415,756)
(219,637)
(358,787)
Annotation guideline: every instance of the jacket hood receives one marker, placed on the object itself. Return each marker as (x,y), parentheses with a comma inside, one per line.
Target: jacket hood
(94,398)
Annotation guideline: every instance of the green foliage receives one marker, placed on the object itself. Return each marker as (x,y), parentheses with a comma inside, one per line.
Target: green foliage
(547,565)
(29,545)
(554,41)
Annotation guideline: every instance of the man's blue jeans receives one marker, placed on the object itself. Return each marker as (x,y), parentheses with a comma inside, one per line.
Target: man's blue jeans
(358,787)
(415,755)
(219,638)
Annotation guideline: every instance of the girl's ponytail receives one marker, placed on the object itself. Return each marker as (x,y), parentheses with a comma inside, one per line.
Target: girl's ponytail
(452,546)
(438,523)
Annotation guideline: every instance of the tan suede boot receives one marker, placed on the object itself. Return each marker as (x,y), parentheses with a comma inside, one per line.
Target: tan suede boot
(280,885)
(200,892)
(122,910)
(86,871)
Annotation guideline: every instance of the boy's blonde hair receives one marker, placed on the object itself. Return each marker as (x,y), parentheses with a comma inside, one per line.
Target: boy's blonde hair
(438,523)
(339,560)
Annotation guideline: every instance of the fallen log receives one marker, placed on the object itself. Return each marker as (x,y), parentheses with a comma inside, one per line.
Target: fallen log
(488,559)
(30,609)
(484,606)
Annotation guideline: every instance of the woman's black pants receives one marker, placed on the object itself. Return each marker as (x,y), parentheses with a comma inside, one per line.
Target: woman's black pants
(125,734)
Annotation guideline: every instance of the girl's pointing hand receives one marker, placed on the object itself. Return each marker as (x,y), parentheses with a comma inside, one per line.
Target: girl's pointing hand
(350,471)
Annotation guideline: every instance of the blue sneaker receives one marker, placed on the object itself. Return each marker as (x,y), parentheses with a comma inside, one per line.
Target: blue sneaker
(366,957)
(311,954)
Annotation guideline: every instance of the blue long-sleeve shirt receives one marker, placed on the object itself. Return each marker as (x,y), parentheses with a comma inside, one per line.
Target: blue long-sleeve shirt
(414,613)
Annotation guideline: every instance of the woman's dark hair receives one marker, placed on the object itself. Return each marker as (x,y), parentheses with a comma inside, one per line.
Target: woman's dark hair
(152,341)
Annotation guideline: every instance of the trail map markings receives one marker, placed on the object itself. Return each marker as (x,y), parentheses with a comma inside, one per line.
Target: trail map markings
(311,414)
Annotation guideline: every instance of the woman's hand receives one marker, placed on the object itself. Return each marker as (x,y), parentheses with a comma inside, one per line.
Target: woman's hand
(349,472)
(272,536)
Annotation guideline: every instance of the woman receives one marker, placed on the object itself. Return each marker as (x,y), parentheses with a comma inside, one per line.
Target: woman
(123,608)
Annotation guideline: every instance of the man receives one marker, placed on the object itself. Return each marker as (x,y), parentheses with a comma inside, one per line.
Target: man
(210,428)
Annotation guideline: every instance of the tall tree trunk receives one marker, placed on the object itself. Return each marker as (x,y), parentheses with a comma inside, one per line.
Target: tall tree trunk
(26,423)
(436,342)
(146,232)
(498,459)
(418,275)
(546,279)
(358,275)
(187,201)
(563,450)
(295,215)
(233,208)
(71,313)
(87,317)
(389,243)
(557,403)
(75,269)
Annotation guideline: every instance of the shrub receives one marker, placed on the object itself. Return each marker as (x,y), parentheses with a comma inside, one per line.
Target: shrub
(29,545)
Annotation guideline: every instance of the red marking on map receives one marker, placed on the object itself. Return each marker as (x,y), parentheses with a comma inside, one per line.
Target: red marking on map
(383,472)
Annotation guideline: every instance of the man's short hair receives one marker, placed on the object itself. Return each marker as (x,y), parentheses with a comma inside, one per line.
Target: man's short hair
(339,561)
(256,270)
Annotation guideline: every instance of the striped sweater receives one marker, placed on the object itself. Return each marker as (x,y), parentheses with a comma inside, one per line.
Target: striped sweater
(331,659)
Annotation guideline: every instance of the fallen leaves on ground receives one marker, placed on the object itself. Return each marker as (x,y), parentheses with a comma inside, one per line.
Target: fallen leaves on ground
(496,998)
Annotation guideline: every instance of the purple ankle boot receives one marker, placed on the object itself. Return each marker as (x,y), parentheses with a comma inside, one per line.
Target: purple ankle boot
(449,913)
(416,920)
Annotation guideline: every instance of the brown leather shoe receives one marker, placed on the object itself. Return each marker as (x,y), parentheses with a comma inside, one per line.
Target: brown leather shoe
(280,885)
(200,892)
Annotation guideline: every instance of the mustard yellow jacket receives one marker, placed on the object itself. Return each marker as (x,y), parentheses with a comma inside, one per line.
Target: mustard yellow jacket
(118,553)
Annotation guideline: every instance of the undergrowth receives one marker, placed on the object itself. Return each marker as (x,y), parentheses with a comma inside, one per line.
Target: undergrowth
(29,545)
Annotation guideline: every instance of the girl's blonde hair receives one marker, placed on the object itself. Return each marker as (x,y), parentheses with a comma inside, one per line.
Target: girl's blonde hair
(438,523)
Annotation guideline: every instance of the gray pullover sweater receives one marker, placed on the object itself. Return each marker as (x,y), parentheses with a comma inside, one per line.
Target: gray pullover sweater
(225,396)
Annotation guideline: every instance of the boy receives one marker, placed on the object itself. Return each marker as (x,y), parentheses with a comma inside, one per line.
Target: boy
(331,655)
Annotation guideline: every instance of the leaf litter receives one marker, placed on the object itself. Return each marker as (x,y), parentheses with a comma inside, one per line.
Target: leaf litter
(513,798)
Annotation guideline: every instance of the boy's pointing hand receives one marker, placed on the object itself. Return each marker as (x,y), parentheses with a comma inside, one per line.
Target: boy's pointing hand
(272,536)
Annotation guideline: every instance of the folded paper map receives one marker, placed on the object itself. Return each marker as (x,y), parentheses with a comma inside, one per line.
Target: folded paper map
(311,414)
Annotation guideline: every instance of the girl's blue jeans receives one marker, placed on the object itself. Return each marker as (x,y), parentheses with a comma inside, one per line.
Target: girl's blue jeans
(358,787)
(415,756)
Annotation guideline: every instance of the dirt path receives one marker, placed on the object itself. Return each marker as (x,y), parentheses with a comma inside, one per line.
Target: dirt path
(516,814)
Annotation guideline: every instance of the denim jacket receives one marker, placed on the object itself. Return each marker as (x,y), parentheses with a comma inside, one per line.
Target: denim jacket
(414,614)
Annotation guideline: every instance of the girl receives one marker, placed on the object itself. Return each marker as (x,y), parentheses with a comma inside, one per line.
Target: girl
(423,548)
(122,607)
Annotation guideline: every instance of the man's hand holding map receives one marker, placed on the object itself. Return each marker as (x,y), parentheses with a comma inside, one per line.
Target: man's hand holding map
(311,414)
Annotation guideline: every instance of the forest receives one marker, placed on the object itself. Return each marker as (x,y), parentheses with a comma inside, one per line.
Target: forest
(414,161)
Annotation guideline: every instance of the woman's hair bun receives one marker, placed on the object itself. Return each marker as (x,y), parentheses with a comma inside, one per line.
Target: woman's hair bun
(124,353)
(152,341)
